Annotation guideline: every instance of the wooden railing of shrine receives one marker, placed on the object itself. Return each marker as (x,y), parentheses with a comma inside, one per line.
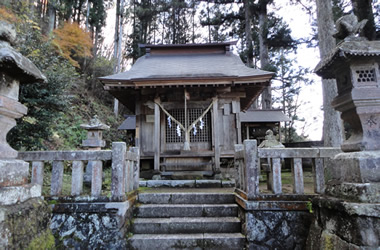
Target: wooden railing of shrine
(124,177)
(249,161)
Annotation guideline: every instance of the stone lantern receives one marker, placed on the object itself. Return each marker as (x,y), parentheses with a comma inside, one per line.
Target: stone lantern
(15,69)
(355,64)
(94,141)
(94,129)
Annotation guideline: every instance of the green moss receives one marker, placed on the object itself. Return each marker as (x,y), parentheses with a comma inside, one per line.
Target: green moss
(142,189)
(52,202)
(44,241)
(309,206)
(328,242)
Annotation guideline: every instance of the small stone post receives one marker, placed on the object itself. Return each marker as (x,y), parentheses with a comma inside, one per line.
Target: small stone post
(94,141)
(349,214)
(15,69)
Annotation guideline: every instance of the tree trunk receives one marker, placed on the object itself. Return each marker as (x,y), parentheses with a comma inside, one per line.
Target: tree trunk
(363,10)
(117,44)
(50,18)
(248,32)
(332,124)
(31,7)
(266,97)
(208,21)
(94,55)
(87,15)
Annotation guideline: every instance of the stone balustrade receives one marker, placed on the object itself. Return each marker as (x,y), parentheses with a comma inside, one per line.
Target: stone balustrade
(125,169)
(249,158)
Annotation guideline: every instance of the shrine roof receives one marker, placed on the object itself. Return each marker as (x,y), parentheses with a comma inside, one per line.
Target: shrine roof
(268,115)
(188,62)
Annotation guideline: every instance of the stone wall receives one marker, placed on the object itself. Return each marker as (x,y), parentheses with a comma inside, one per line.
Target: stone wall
(277,229)
(275,221)
(25,225)
(92,225)
(344,225)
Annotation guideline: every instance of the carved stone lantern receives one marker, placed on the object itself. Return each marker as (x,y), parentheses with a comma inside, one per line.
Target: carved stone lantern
(94,129)
(15,69)
(355,63)
(94,141)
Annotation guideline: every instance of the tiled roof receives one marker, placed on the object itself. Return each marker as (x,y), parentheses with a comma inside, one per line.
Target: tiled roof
(198,66)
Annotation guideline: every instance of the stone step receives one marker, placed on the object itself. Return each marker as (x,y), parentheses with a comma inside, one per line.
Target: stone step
(186,198)
(182,225)
(186,210)
(232,241)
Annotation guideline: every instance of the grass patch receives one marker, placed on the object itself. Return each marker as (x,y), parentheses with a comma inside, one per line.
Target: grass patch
(287,182)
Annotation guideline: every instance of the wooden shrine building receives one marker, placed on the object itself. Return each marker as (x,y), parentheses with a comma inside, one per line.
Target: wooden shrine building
(187,100)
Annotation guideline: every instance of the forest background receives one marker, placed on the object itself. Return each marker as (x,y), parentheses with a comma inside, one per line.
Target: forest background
(66,39)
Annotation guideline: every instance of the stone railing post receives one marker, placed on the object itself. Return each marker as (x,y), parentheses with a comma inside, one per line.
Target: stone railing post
(252,168)
(239,148)
(276,176)
(77,178)
(318,176)
(56,178)
(38,172)
(136,168)
(128,175)
(119,152)
(297,172)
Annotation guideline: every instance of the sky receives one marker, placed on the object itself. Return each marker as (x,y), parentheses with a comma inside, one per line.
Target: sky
(299,22)
(311,95)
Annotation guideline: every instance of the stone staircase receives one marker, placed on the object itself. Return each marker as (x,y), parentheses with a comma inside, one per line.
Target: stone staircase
(186,220)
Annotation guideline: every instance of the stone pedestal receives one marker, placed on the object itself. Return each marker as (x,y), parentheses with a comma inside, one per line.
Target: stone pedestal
(348,216)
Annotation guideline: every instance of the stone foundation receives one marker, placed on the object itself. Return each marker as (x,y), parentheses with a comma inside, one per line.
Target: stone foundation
(344,225)
(277,229)
(92,225)
(25,225)
(280,223)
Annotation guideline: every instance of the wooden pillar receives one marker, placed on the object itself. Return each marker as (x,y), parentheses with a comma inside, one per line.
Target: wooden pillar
(247,131)
(138,121)
(156,137)
(236,110)
(216,134)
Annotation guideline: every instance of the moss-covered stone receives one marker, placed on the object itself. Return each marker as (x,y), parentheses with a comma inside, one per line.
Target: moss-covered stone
(24,223)
(44,241)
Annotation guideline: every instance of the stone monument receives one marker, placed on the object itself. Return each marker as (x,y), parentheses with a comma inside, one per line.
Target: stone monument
(349,214)
(24,216)
(270,141)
